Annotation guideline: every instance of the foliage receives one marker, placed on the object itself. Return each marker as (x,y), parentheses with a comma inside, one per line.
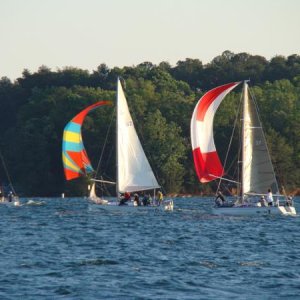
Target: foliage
(36,107)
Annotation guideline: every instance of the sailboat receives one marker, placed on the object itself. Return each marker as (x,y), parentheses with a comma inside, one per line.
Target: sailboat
(255,165)
(133,171)
(75,159)
(10,198)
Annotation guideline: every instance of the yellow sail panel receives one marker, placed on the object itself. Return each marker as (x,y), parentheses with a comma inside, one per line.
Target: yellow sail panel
(72,137)
(68,163)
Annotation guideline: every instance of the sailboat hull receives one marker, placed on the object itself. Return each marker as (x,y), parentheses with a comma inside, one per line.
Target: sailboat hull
(97,200)
(14,202)
(254,210)
(167,205)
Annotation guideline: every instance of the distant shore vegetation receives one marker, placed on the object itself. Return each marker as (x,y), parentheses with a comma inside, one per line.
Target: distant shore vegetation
(36,107)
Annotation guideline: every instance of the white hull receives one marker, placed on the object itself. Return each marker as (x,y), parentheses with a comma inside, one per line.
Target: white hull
(254,210)
(14,202)
(97,200)
(167,205)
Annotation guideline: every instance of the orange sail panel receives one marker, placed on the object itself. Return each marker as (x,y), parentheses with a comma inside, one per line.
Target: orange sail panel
(75,160)
(206,160)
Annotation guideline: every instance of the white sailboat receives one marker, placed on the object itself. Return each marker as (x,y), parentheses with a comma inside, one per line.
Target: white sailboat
(257,172)
(134,173)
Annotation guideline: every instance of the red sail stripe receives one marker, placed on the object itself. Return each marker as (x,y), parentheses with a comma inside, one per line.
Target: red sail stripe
(207,164)
(80,117)
(69,174)
(77,159)
(209,97)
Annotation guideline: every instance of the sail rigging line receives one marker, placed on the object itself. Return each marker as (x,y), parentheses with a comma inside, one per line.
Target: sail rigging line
(7,174)
(223,178)
(103,181)
(105,143)
(230,141)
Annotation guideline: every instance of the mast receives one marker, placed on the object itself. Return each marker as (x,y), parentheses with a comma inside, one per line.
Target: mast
(117,139)
(245,94)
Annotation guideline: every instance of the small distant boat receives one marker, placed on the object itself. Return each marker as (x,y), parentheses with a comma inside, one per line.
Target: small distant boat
(254,163)
(8,195)
(35,203)
(93,196)
(134,173)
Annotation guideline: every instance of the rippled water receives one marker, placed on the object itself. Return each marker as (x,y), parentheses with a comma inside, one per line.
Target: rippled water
(69,249)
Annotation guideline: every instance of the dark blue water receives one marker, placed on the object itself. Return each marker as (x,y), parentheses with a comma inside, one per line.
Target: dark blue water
(69,249)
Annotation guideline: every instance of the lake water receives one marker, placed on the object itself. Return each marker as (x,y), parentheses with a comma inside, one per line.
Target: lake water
(69,249)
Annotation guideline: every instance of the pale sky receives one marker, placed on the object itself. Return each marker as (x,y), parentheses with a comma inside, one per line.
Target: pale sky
(86,33)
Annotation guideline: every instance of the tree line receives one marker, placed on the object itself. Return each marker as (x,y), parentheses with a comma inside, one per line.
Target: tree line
(36,107)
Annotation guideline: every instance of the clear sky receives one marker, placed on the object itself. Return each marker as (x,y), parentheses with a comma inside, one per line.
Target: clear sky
(86,33)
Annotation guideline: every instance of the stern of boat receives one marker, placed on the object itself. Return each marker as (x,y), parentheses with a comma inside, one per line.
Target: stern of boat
(168,205)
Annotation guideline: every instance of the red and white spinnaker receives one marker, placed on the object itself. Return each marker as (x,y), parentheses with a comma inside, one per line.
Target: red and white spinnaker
(206,160)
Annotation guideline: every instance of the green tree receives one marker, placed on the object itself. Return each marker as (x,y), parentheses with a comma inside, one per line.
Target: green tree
(166,150)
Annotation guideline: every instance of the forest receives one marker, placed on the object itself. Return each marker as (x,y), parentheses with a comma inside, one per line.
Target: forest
(36,107)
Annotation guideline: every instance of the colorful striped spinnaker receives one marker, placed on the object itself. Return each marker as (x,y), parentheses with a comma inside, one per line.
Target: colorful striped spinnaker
(75,160)
(206,160)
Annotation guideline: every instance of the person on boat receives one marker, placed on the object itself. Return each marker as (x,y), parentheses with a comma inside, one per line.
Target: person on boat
(270,198)
(220,200)
(125,198)
(10,196)
(289,201)
(160,197)
(147,199)
(136,200)
(263,202)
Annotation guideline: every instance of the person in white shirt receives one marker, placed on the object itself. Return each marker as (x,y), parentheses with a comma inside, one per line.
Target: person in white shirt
(270,198)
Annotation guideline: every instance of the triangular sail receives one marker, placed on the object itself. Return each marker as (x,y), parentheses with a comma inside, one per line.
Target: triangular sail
(133,169)
(258,172)
(93,190)
(75,160)
(206,160)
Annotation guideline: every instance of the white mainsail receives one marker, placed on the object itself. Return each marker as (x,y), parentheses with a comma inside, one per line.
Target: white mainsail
(133,169)
(257,169)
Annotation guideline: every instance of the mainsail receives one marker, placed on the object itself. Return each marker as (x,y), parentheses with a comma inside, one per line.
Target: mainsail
(257,169)
(75,160)
(206,160)
(133,169)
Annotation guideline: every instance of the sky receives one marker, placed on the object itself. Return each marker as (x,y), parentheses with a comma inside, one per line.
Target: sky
(87,33)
